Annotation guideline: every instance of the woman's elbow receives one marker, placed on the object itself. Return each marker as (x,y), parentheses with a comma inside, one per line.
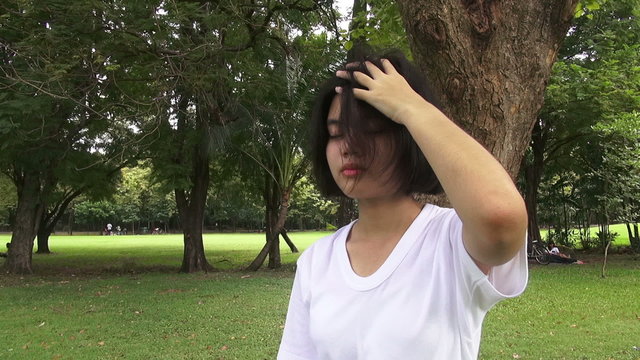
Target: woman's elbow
(505,231)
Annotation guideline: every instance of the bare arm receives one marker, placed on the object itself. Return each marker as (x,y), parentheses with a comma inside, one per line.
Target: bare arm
(491,209)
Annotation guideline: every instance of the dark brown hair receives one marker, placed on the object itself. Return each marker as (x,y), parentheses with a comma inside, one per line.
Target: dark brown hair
(412,173)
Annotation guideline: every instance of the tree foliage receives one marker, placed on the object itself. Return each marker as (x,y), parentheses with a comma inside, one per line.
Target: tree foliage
(59,126)
(276,115)
(589,126)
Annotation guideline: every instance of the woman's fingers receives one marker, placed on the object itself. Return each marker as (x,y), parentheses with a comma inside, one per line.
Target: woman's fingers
(353,65)
(373,70)
(343,74)
(361,94)
(377,75)
(361,78)
(388,68)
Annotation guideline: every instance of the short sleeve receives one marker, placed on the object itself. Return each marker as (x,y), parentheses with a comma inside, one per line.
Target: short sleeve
(296,342)
(504,281)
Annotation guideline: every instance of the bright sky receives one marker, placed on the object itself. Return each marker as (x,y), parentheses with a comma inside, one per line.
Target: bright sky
(344,7)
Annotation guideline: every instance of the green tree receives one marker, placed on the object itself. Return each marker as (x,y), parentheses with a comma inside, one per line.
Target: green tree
(375,23)
(132,201)
(194,55)
(55,123)
(141,202)
(233,202)
(594,83)
(92,214)
(309,209)
(277,113)
(95,183)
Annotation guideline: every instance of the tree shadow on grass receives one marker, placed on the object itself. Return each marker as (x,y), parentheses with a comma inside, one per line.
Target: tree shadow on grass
(64,265)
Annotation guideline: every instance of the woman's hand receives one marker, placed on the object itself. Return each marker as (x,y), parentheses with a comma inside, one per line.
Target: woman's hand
(494,218)
(387,91)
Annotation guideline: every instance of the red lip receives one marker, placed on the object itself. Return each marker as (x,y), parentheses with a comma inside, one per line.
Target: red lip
(351,169)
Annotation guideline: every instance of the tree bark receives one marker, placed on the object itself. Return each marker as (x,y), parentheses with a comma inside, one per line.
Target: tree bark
(193,259)
(28,214)
(43,241)
(50,219)
(269,221)
(283,209)
(286,238)
(488,62)
(275,218)
(532,170)
(191,203)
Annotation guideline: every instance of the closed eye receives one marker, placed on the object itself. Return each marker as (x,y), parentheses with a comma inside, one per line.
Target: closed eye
(334,129)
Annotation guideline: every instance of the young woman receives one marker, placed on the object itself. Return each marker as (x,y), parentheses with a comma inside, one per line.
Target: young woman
(404,281)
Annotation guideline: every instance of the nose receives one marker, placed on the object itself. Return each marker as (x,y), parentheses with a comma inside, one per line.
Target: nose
(348,151)
(345,149)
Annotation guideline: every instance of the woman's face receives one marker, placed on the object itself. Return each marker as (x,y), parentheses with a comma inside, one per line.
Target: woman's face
(357,177)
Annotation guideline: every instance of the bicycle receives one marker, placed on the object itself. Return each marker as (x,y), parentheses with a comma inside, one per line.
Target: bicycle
(539,252)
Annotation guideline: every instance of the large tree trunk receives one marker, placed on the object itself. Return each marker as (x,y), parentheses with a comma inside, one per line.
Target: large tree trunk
(532,170)
(191,206)
(489,62)
(28,213)
(274,250)
(43,241)
(262,255)
(275,217)
(193,258)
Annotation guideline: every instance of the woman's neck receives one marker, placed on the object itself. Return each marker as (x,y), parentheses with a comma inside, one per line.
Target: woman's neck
(382,218)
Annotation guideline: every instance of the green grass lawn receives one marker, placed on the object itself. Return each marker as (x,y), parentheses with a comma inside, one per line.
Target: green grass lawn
(131,252)
(121,297)
(621,240)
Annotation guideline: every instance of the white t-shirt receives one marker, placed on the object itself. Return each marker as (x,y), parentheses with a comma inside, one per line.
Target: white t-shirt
(426,301)
(555,251)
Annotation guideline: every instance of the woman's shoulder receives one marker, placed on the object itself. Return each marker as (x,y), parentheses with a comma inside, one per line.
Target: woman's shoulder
(324,246)
(435,215)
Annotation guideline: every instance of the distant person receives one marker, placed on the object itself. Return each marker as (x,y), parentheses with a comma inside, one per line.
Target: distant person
(118,230)
(109,227)
(558,257)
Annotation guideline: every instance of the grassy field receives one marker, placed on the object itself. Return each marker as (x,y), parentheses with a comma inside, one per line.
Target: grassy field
(121,297)
(621,240)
